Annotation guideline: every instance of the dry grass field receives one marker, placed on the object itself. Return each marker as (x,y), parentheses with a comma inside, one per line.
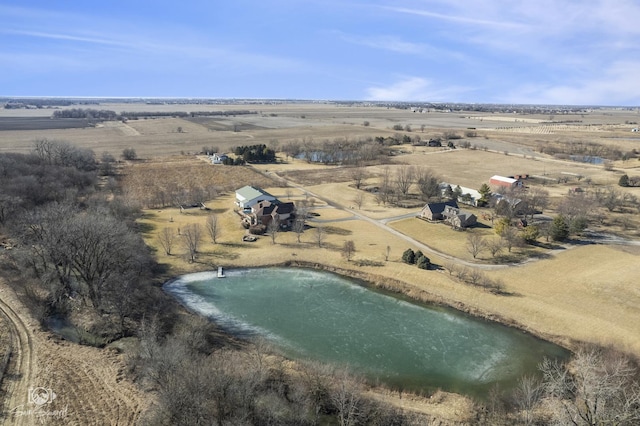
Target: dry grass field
(586,293)
(570,297)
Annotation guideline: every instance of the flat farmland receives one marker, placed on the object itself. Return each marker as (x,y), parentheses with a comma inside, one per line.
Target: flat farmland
(571,296)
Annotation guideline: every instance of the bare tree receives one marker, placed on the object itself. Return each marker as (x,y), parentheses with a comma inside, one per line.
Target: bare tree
(475,244)
(474,276)
(428,183)
(509,237)
(191,237)
(346,397)
(320,235)
(385,191)
(576,204)
(404,179)
(358,199)
(348,249)
(610,198)
(300,221)
(273,228)
(598,388)
(527,396)
(213,227)
(166,238)
(536,199)
(358,174)
(495,246)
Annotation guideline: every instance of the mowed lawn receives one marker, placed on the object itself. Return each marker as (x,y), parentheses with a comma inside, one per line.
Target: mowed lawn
(589,293)
(586,293)
(443,238)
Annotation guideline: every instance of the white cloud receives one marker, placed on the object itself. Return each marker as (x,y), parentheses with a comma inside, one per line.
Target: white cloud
(617,85)
(415,89)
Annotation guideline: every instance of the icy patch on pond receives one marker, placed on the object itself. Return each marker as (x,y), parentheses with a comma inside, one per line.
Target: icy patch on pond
(315,314)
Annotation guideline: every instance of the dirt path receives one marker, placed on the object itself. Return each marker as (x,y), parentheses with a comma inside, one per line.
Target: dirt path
(21,368)
(76,384)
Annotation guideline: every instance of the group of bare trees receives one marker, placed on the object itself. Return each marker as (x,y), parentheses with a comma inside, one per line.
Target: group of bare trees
(397,184)
(76,246)
(190,236)
(199,382)
(597,386)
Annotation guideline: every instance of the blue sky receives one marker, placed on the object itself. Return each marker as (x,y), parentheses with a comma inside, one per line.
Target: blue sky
(580,52)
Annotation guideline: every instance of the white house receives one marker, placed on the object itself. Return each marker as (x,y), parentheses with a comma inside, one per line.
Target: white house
(248,196)
(218,158)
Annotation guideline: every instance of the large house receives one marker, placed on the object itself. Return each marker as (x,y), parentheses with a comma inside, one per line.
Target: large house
(434,211)
(459,218)
(449,212)
(258,207)
(265,212)
(248,196)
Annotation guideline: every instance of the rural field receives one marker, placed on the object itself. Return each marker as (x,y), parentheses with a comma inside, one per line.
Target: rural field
(579,290)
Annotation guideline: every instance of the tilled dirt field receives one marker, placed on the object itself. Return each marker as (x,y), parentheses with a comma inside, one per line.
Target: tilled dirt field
(51,381)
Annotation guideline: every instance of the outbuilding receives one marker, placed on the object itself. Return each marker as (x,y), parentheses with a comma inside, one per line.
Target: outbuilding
(248,196)
(506,182)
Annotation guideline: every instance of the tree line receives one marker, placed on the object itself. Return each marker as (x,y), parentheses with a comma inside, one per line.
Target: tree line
(75,244)
(108,115)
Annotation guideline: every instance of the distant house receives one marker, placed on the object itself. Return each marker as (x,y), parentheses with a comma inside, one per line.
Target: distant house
(218,158)
(505,182)
(248,196)
(459,218)
(434,211)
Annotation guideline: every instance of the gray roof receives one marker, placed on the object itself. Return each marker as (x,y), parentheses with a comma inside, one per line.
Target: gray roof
(249,193)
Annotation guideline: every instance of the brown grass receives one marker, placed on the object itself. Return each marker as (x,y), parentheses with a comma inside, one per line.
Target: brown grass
(570,297)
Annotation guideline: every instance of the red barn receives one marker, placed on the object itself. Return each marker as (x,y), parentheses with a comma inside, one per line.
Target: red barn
(507,182)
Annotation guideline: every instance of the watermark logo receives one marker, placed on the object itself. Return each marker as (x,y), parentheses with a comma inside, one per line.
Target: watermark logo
(41,396)
(38,405)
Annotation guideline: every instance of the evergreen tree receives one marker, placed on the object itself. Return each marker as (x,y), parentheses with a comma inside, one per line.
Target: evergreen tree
(559,228)
(485,195)
(624,180)
(409,257)
(423,262)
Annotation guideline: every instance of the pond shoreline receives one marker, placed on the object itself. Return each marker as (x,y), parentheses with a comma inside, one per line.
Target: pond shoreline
(384,335)
(424,297)
(399,287)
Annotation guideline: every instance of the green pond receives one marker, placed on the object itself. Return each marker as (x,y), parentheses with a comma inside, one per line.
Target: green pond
(317,315)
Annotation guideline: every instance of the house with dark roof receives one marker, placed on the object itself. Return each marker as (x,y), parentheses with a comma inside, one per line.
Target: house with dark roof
(265,212)
(434,211)
(458,218)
